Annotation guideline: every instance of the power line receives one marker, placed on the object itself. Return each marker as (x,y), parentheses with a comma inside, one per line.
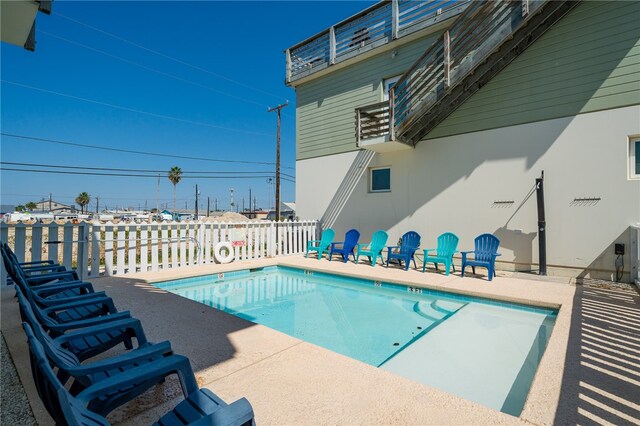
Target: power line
(58,166)
(126,174)
(138,111)
(128,151)
(145,67)
(155,52)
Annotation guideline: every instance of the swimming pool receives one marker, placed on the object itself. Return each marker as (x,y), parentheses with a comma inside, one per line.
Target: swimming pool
(482,350)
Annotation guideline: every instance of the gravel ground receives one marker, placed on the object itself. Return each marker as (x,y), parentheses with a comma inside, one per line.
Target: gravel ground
(14,405)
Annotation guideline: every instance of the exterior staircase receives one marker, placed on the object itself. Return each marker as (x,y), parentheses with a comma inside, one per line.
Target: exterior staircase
(483,40)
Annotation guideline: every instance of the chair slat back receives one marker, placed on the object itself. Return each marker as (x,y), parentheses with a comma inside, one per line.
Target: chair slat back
(378,241)
(447,244)
(351,240)
(410,242)
(62,406)
(327,237)
(486,245)
(56,353)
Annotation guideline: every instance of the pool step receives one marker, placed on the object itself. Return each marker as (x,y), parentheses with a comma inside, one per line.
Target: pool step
(437,309)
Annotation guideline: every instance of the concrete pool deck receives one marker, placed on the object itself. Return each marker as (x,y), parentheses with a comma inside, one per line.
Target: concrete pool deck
(289,381)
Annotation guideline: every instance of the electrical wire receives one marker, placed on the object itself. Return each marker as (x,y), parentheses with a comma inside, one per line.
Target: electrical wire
(135,170)
(155,52)
(45,140)
(163,73)
(138,111)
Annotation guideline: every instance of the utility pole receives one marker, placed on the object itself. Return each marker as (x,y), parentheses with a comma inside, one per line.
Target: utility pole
(196,202)
(98,205)
(49,202)
(208,205)
(250,209)
(243,204)
(231,204)
(278,110)
(216,203)
(158,195)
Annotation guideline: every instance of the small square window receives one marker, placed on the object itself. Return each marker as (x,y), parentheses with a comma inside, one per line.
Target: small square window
(380,179)
(634,157)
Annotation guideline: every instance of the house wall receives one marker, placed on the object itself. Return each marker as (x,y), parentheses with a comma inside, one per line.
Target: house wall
(567,106)
(452,184)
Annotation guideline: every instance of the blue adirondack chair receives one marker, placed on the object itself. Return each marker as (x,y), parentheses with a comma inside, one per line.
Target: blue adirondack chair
(323,244)
(447,247)
(485,253)
(126,328)
(36,272)
(347,246)
(374,248)
(200,406)
(404,253)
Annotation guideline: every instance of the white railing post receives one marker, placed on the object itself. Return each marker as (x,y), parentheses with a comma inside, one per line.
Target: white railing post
(154,246)
(395,19)
(165,246)
(36,242)
(20,234)
(52,235)
(191,242)
(207,242)
(290,235)
(133,237)
(67,245)
(4,237)
(175,239)
(270,240)
(183,245)
(332,45)
(95,249)
(109,244)
(215,229)
(250,228)
(288,57)
(144,247)
(120,263)
(201,231)
(82,264)
(259,241)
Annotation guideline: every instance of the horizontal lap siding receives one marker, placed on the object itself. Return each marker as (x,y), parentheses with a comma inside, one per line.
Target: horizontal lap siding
(589,61)
(325,114)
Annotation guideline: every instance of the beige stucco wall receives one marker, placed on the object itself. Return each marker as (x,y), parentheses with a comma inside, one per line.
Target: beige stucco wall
(451,184)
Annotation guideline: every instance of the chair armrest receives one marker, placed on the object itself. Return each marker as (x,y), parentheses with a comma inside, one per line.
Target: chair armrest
(79,301)
(45,289)
(89,322)
(62,276)
(128,323)
(37,262)
(239,412)
(42,268)
(337,243)
(496,254)
(467,252)
(393,247)
(364,246)
(164,367)
(314,241)
(426,251)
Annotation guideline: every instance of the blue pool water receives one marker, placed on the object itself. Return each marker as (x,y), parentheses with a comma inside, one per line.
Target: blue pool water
(482,350)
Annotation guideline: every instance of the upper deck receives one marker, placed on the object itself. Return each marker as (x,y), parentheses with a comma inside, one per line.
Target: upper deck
(373,28)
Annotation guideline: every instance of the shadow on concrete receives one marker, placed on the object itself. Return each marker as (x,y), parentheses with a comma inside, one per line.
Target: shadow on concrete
(601,382)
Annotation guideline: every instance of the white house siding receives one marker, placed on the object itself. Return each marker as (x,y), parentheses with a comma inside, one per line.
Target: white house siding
(452,183)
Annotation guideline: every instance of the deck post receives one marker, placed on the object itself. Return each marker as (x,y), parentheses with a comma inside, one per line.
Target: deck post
(392,101)
(542,225)
(395,19)
(447,59)
(82,261)
(358,127)
(525,8)
(288,57)
(332,45)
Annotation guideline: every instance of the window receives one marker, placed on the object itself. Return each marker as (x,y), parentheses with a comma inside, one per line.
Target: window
(380,179)
(634,157)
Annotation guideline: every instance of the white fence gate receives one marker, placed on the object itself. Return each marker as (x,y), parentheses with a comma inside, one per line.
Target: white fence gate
(117,249)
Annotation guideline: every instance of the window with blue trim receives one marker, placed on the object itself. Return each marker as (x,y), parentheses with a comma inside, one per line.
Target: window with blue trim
(380,179)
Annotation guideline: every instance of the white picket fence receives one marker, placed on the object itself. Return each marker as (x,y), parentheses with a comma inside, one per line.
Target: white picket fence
(117,249)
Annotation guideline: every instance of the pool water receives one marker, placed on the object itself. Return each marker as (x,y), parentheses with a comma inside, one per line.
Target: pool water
(481,350)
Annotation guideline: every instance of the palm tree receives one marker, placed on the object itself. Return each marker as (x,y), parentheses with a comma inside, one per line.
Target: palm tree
(31,206)
(175,175)
(83,199)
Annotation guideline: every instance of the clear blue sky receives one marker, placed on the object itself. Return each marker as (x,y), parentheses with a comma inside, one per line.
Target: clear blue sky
(215,108)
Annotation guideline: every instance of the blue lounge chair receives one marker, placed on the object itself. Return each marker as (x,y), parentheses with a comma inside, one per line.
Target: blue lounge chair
(201,406)
(348,245)
(35,272)
(374,248)
(323,244)
(485,253)
(447,247)
(405,251)
(127,328)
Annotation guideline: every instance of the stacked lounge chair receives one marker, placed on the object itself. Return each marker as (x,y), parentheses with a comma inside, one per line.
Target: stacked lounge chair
(67,323)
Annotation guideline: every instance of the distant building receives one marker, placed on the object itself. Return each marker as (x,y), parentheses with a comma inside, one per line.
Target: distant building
(53,206)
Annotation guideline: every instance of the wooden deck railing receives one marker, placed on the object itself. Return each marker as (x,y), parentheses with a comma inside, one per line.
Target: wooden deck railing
(477,32)
(373,27)
(372,121)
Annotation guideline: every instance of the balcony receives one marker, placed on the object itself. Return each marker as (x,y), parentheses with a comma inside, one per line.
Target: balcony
(366,31)
(374,130)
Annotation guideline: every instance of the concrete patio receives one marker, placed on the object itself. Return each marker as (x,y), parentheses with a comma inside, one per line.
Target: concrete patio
(589,373)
